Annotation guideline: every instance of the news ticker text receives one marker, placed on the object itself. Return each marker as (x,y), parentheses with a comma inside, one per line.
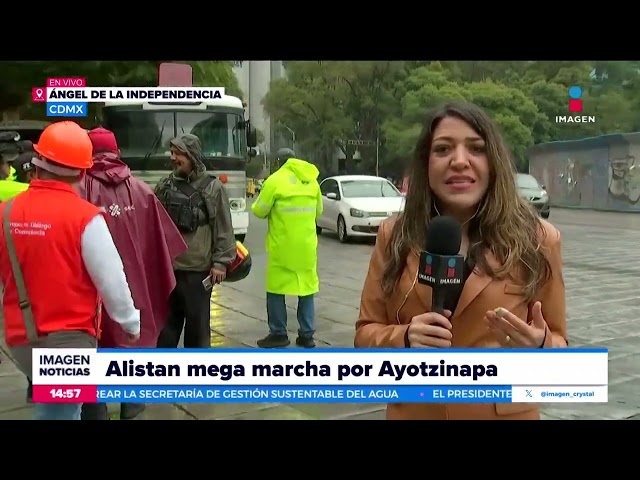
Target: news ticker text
(316,394)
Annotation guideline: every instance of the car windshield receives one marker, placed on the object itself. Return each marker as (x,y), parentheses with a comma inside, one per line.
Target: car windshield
(528,181)
(368,189)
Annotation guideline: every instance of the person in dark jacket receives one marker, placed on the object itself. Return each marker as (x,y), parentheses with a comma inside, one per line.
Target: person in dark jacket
(199,206)
(147,241)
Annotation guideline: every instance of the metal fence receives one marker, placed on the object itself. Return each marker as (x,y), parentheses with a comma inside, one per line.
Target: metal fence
(601,173)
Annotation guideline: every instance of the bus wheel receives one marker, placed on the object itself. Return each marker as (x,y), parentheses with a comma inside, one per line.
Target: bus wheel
(241,237)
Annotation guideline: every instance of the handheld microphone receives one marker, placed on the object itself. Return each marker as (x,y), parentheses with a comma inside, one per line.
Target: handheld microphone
(441,267)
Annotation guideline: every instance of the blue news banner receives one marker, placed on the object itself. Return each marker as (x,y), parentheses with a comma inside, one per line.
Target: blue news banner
(304,394)
(67,109)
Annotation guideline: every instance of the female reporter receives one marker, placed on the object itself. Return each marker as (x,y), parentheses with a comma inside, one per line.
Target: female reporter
(462,168)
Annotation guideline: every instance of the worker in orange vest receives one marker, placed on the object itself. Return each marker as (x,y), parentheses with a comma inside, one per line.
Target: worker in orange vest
(58,262)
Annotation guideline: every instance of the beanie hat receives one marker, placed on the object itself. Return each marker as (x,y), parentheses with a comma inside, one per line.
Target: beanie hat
(25,146)
(103,140)
(23,165)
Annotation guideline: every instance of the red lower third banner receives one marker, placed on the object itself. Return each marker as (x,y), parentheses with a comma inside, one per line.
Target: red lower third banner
(65,393)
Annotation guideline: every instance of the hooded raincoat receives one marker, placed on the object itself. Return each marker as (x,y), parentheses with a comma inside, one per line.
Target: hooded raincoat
(213,243)
(291,201)
(146,239)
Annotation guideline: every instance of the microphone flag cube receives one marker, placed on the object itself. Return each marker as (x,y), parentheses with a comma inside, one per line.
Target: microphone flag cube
(438,270)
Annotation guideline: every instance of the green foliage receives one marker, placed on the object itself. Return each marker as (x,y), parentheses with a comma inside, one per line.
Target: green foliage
(328,103)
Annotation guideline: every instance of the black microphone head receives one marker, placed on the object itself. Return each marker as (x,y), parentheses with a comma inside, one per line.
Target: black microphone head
(444,236)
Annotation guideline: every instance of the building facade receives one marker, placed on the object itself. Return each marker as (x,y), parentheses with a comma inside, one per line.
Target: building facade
(254,77)
(601,173)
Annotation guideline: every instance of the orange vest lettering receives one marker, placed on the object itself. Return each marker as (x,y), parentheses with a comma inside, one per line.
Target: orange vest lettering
(47,222)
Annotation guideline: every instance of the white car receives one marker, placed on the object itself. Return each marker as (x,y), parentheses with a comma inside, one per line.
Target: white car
(355,205)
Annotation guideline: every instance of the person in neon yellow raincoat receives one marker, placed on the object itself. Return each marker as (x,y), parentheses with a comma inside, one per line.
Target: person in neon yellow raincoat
(12,185)
(19,155)
(291,201)
(7,172)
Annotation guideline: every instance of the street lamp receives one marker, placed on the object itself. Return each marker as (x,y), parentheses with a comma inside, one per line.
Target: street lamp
(293,135)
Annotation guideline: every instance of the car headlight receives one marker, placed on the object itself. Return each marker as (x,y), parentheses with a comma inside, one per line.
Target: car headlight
(354,212)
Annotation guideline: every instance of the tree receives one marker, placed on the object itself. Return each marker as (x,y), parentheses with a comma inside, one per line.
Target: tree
(216,74)
(329,103)
(312,103)
(326,103)
(427,87)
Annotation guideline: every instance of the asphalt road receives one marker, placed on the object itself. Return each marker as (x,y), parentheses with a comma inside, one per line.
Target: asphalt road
(601,266)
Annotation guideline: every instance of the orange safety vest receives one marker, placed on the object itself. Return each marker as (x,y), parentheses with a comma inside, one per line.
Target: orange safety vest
(47,222)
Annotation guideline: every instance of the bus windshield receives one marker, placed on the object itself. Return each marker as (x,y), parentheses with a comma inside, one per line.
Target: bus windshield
(142,133)
(218,132)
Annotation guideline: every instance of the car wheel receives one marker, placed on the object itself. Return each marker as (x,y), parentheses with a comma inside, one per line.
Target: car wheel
(342,230)
(241,237)
(318,230)
(545,215)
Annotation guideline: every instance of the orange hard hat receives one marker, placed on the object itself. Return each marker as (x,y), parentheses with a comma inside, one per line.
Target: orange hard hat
(67,144)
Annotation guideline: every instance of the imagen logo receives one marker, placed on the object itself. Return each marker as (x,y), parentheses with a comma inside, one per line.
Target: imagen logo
(575,102)
(451,268)
(575,107)
(428,266)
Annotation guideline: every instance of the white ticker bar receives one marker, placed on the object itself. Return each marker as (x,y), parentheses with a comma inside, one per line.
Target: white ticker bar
(556,394)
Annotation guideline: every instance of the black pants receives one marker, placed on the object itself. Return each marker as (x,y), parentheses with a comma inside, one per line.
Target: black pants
(189,308)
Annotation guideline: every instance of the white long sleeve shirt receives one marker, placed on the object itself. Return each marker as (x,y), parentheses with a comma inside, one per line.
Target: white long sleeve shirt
(102,261)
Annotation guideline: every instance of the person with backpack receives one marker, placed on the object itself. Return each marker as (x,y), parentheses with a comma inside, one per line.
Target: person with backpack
(199,206)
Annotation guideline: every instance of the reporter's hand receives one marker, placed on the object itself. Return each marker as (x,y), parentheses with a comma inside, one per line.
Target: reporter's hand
(513,332)
(430,330)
